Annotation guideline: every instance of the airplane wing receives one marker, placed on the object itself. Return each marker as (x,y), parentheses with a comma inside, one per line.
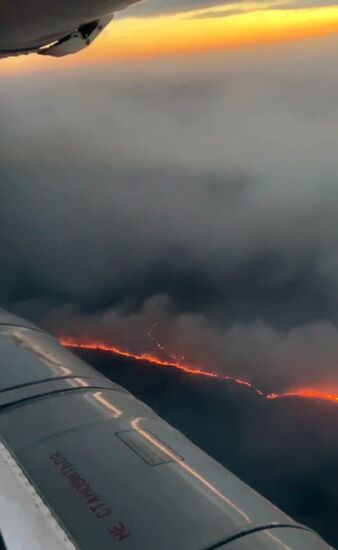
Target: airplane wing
(55,28)
(85,465)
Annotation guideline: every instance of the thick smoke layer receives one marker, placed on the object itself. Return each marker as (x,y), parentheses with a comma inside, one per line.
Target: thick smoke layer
(199,195)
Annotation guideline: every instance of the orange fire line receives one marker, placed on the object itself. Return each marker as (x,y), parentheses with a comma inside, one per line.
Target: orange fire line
(98,346)
(187,369)
(306,394)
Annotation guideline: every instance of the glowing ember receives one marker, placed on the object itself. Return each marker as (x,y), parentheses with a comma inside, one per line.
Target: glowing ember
(306,394)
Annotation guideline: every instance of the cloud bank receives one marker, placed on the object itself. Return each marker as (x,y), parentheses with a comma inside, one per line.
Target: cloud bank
(200,195)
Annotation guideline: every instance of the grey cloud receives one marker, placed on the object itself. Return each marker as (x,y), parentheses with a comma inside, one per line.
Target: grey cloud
(215,14)
(198,194)
(153,7)
(159,7)
(228,12)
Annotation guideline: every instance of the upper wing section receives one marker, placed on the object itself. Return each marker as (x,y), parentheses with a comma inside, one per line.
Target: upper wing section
(53,28)
(82,457)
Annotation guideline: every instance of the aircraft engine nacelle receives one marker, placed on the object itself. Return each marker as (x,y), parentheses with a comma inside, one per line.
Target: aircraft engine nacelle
(53,27)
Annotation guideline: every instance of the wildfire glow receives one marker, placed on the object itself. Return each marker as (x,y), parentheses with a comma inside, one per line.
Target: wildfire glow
(309,393)
(97,346)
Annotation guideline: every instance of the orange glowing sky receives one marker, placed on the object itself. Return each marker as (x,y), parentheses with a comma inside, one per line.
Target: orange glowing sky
(210,29)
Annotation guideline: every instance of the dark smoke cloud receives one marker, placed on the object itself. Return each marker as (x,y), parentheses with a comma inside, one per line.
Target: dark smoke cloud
(201,195)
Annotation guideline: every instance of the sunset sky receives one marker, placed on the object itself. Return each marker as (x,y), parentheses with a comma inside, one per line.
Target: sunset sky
(151,29)
(177,180)
(219,116)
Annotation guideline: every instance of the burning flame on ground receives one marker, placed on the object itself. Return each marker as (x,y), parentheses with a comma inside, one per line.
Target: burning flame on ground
(175,363)
(307,394)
